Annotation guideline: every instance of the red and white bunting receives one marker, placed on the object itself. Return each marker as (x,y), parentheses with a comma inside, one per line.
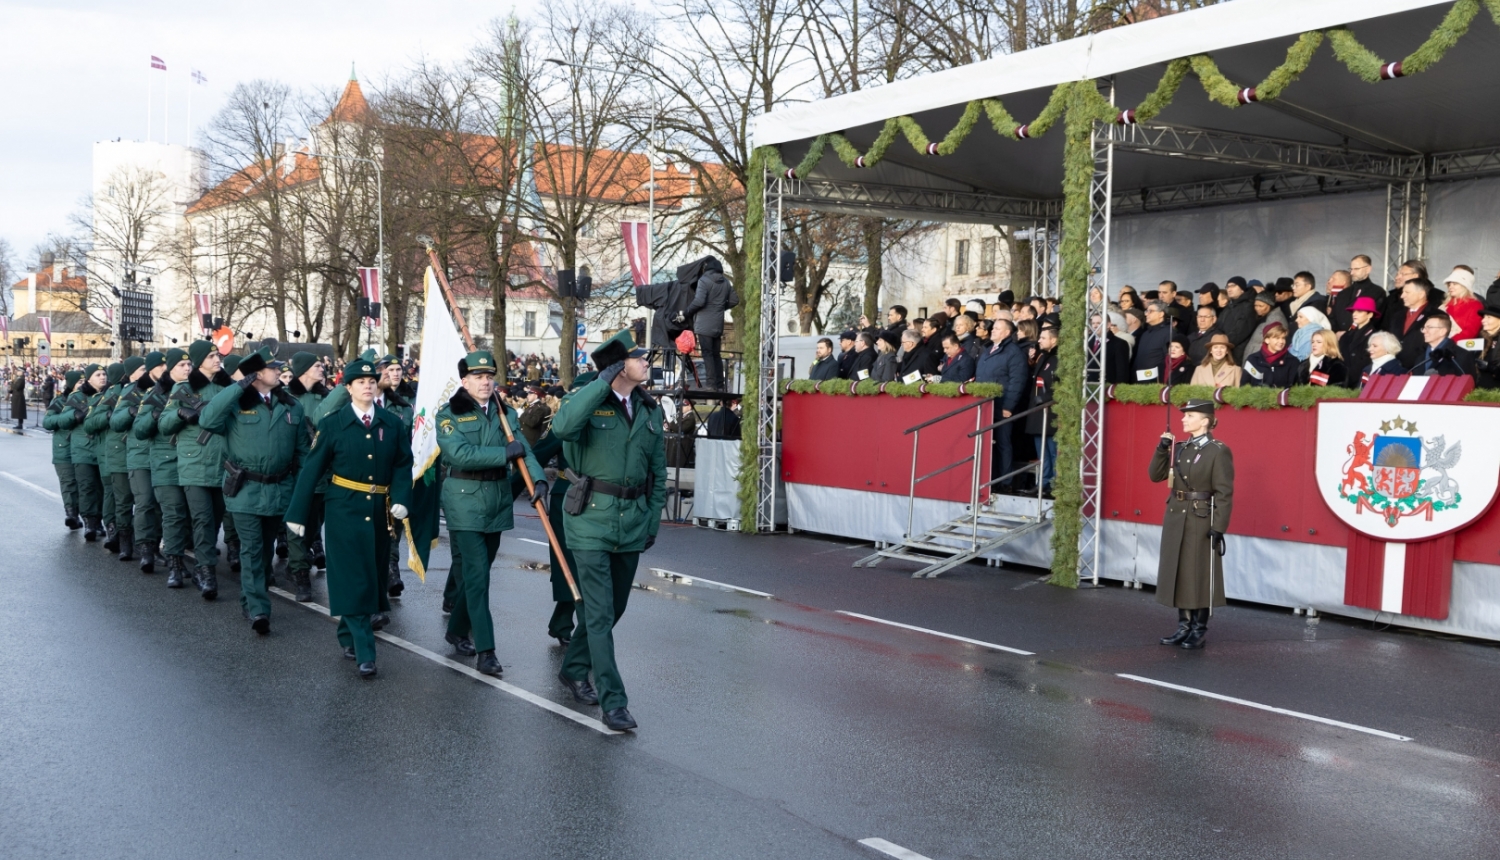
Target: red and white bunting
(637,235)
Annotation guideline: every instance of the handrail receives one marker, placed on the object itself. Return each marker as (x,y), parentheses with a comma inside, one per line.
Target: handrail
(944,469)
(908,431)
(1013,416)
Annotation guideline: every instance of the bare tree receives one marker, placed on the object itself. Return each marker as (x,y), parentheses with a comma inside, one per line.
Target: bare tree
(7,277)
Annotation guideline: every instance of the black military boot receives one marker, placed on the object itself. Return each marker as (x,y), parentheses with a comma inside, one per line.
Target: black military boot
(232,550)
(1199,631)
(379,620)
(95,529)
(1184,624)
(111,538)
(302,580)
(148,557)
(208,583)
(72,521)
(282,550)
(396,585)
(176,571)
(315,556)
(127,545)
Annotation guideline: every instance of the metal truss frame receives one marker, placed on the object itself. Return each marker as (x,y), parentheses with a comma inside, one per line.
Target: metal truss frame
(1224,147)
(1405,225)
(767,399)
(859,198)
(1044,242)
(1096,299)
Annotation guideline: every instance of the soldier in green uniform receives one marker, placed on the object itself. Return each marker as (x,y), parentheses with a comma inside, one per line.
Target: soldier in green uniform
(477,499)
(364,452)
(611,432)
(81,448)
(200,460)
(162,456)
(1200,475)
(97,426)
(146,514)
(264,443)
(62,460)
(549,450)
(307,386)
(115,462)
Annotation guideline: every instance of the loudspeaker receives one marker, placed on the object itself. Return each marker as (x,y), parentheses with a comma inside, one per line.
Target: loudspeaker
(567,284)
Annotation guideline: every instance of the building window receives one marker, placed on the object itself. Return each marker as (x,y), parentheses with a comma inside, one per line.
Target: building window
(988,246)
(961,257)
(529,326)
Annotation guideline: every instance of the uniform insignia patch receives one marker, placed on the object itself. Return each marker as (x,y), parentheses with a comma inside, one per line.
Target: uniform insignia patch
(247,411)
(446,426)
(468,418)
(605,413)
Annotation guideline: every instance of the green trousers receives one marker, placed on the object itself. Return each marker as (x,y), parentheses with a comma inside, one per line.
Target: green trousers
(147,511)
(561,622)
(257,547)
(124,501)
(355,632)
(67,486)
(298,556)
(451,585)
(175,532)
(90,489)
(604,580)
(107,503)
(471,608)
(206,507)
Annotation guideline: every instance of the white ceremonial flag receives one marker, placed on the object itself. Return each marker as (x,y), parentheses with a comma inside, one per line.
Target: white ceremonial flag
(442,349)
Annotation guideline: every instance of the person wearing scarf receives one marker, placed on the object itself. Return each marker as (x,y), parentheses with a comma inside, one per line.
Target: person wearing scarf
(1273,366)
(1325,366)
(1178,370)
(1218,368)
(1309,321)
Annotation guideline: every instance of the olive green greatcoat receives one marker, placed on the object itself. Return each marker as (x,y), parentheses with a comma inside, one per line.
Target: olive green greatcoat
(60,425)
(122,421)
(359,539)
(162,447)
(471,440)
(111,448)
(267,439)
(599,441)
(199,463)
(1191,574)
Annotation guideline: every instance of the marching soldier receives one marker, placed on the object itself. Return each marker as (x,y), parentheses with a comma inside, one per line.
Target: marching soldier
(264,443)
(611,432)
(477,500)
(97,425)
(200,463)
(389,398)
(113,462)
(162,454)
(307,386)
(1200,476)
(62,459)
(146,522)
(365,454)
(549,449)
(81,448)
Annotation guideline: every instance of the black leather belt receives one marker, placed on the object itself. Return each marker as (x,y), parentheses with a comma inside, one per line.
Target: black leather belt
(608,489)
(486,475)
(277,478)
(1184,495)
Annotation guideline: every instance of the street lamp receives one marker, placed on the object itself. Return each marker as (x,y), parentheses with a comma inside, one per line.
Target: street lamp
(379,210)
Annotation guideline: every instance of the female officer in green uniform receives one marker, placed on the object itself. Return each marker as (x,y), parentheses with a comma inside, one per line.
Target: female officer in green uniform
(62,461)
(147,513)
(200,462)
(365,453)
(165,484)
(81,445)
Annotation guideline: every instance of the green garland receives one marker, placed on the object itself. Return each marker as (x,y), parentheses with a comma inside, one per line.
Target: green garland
(750,295)
(1300,396)
(868,388)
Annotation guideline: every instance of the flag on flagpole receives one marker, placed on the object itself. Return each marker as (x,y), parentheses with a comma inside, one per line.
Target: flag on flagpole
(203,308)
(442,350)
(5,328)
(158,63)
(199,77)
(369,285)
(638,250)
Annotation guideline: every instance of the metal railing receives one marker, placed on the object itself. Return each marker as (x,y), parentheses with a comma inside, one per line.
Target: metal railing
(1039,465)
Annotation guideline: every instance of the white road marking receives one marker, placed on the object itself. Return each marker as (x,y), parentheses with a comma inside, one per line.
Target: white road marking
(537,542)
(694,580)
(891,849)
(992,646)
(512,689)
(43,490)
(1283,711)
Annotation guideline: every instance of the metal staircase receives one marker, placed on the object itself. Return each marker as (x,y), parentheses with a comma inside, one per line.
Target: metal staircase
(982,528)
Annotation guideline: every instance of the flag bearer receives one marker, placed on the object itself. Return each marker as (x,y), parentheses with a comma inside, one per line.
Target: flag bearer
(62,460)
(611,432)
(364,452)
(165,486)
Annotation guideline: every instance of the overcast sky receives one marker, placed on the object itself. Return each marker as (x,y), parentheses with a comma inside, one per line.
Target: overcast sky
(76,72)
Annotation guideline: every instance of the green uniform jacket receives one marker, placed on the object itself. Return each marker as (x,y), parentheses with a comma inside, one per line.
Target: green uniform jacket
(82,445)
(200,455)
(163,447)
(313,410)
(471,440)
(599,441)
(381,455)
(402,408)
(122,421)
(269,440)
(111,448)
(60,425)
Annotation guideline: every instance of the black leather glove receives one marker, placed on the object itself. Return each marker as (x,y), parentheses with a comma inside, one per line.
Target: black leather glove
(245,381)
(1164,444)
(1216,540)
(514,451)
(650,542)
(188,413)
(539,493)
(608,374)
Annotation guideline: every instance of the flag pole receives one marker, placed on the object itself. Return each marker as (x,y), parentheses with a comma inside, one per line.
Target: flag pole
(463,327)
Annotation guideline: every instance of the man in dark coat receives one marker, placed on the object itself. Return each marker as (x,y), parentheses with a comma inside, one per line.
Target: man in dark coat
(958,366)
(1004,363)
(1358,284)
(915,357)
(1305,295)
(824,365)
(1044,435)
(534,417)
(1407,320)
(1442,357)
(1151,344)
(1237,320)
(895,318)
(18,398)
(1208,326)
(864,356)
(712,298)
(1200,479)
(846,353)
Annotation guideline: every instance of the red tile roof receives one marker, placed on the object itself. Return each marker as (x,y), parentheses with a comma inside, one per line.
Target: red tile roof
(250,181)
(70,281)
(352,106)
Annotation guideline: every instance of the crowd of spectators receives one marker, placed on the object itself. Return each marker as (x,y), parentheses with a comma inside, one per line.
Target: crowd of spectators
(534,369)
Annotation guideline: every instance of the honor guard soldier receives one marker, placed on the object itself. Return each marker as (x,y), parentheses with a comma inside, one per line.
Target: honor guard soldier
(200,463)
(165,485)
(365,454)
(146,520)
(97,424)
(1200,477)
(81,446)
(307,386)
(264,443)
(611,432)
(62,459)
(548,449)
(477,500)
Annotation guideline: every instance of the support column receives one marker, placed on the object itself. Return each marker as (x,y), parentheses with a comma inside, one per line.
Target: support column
(768,401)
(1101,195)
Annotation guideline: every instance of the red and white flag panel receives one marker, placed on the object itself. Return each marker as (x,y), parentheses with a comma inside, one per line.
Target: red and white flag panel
(638,250)
(158,63)
(369,287)
(5,328)
(203,310)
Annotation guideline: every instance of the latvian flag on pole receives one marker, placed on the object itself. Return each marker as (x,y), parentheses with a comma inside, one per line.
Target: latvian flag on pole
(369,285)
(158,63)
(5,328)
(638,250)
(46,324)
(204,311)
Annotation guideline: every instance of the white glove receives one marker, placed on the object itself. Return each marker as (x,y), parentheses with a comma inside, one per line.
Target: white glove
(398,511)
(296,528)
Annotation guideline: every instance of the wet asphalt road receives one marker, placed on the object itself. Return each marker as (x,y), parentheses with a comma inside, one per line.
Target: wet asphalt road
(141,722)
